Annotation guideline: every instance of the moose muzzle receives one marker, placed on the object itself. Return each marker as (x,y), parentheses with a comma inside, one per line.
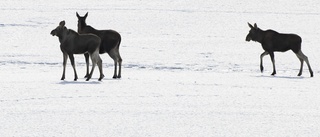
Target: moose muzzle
(53,32)
(248,38)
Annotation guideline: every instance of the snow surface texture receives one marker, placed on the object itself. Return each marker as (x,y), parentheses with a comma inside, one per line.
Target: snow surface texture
(187,70)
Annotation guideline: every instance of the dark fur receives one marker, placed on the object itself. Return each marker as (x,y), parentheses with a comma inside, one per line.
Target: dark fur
(272,41)
(110,42)
(73,43)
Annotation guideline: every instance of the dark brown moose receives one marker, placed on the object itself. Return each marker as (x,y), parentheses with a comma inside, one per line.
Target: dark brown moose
(73,43)
(272,41)
(110,43)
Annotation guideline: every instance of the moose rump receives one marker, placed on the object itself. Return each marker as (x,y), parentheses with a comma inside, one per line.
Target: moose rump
(273,41)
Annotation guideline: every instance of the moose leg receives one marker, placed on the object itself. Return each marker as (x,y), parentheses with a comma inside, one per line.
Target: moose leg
(115,70)
(113,55)
(73,66)
(273,63)
(65,57)
(304,58)
(120,63)
(301,64)
(86,56)
(94,62)
(99,62)
(261,60)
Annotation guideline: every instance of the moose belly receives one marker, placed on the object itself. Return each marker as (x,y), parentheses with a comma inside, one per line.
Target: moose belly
(282,49)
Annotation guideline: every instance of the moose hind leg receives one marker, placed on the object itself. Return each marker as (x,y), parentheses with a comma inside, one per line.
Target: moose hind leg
(301,65)
(119,62)
(305,58)
(115,69)
(273,63)
(94,62)
(113,55)
(99,62)
(86,56)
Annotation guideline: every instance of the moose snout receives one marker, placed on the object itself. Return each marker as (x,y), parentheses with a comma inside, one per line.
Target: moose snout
(53,33)
(248,38)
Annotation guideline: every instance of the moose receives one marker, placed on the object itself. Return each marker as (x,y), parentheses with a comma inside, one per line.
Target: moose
(272,41)
(110,43)
(73,43)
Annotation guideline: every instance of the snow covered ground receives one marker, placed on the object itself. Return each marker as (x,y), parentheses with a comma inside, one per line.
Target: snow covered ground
(187,70)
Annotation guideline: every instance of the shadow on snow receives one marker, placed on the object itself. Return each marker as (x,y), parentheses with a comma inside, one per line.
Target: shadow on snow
(283,77)
(77,82)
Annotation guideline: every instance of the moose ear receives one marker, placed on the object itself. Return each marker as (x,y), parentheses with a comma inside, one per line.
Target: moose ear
(250,25)
(62,23)
(86,15)
(255,25)
(78,15)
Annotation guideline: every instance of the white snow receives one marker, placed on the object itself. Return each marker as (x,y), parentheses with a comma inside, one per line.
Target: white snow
(187,70)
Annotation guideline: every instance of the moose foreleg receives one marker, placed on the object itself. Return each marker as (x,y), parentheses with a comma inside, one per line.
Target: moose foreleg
(65,57)
(73,66)
(261,60)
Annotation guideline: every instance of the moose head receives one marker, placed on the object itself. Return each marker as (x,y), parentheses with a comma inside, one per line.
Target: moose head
(82,20)
(59,30)
(254,33)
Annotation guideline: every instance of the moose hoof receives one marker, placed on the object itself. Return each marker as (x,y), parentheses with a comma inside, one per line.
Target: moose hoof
(311,75)
(299,74)
(273,74)
(261,69)
(101,77)
(119,77)
(75,79)
(114,77)
(88,78)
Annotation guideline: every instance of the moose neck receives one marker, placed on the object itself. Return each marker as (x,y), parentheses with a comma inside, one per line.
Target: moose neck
(260,36)
(63,36)
(87,29)
(81,26)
